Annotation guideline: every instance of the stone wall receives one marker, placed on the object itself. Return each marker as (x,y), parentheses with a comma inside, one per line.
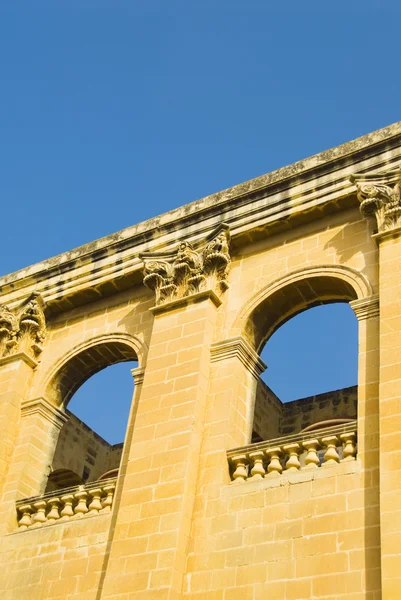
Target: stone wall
(222,274)
(274,418)
(83,451)
(268,413)
(302,413)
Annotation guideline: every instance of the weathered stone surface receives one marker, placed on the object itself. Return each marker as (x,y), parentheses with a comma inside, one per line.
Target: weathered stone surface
(301,518)
(380,196)
(23,329)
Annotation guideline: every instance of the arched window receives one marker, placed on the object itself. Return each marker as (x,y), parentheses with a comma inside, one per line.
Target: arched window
(95,387)
(312,373)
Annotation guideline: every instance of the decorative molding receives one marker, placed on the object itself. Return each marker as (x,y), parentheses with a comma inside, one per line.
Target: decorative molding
(366,308)
(138,374)
(253,209)
(390,233)
(23,329)
(19,356)
(238,348)
(46,410)
(180,302)
(380,196)
(189,269)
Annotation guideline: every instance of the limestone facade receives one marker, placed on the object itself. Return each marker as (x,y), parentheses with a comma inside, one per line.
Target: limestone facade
(311,509)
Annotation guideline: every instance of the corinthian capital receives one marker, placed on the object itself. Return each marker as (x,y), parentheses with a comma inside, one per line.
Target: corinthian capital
(23,328)
(380,196)
(190,268)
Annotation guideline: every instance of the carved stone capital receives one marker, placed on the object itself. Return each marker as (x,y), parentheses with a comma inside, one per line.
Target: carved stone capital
(23,329)
(190,268)
(380,196)
(366,308)
(46,410)
(238,348)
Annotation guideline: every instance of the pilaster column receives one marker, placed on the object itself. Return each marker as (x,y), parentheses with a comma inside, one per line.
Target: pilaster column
(235,371)
(138,375)
(149,547)
(390,412)
(22,332)
(367,313)
(379,195)
(15,379)
(38,431)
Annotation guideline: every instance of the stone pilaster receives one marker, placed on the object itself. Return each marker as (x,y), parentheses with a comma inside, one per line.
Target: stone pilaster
(159,481)
(35,442)
(22,332)
(367,311)
(379,195)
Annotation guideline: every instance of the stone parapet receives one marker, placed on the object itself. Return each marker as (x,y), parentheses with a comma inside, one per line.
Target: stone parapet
(66,504)
(309,450)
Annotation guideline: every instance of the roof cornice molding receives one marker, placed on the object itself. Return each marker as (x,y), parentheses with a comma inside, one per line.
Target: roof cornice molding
(260,204)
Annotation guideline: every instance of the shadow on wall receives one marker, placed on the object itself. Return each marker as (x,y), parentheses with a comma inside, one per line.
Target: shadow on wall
(348,232)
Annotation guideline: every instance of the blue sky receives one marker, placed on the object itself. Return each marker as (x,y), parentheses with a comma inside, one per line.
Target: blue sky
(112,112)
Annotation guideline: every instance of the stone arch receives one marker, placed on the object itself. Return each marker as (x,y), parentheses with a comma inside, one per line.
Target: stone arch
(88,358)
(282,299)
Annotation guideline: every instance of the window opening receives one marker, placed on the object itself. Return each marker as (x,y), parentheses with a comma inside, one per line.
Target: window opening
(312,373)
(90,444)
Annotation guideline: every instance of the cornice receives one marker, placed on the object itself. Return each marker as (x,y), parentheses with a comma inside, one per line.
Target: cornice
(238,348)
(19,356)
(366,308)
(386,235)
(269,202)
(46,410)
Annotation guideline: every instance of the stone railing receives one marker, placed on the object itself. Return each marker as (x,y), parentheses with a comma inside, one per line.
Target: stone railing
(66,504)
(290,454)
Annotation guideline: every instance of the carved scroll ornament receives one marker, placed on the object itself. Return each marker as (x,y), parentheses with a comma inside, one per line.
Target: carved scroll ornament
(23,329)
(190,268)
(380,196)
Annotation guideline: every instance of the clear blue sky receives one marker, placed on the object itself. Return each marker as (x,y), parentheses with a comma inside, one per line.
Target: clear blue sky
(112,112)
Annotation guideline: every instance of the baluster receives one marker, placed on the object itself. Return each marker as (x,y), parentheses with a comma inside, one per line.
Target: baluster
(95,505)
(292,463)
(81,507)
(54,509)
(274,467)
(311,459)
(26,520)
(67,511)
(331,456)
(258,470)
(240,474)
(39,517)
(108,501)
(349,450)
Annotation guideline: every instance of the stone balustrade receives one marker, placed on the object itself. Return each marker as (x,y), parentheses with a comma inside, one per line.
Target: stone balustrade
(304,451)
(66,504)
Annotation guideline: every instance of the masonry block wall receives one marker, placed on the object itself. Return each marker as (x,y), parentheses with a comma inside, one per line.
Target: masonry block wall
(83,452)
(198,511)
(272,418)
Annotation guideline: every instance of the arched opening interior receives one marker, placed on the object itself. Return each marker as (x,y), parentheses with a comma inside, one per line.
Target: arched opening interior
(307,334)
(96,389)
